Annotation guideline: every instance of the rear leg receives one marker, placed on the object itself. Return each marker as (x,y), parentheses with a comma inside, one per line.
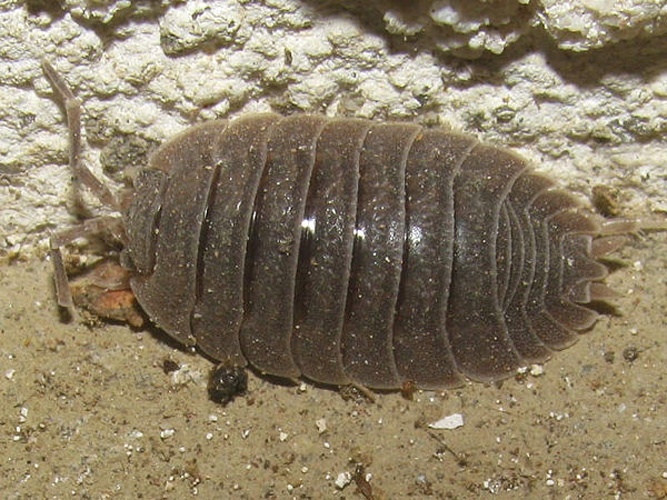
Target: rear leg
(614,232)
(614,235)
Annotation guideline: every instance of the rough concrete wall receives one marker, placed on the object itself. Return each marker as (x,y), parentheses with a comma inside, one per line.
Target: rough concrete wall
(577,86)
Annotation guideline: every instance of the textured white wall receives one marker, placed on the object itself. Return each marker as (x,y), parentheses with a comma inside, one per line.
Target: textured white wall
(580,86)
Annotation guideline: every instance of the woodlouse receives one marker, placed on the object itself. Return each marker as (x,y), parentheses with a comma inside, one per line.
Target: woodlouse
(352,252)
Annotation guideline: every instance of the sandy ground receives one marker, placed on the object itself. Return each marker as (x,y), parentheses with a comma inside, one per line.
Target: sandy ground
(89,412)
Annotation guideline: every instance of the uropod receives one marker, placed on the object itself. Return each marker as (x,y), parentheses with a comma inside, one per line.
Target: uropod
(348,251)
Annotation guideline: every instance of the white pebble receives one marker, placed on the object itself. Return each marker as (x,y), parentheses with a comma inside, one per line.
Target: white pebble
(321,425)
(449,422)
(536,370)
(343,479)
(166,433)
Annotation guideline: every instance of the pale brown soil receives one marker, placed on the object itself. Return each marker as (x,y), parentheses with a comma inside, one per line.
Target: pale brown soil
(88,412)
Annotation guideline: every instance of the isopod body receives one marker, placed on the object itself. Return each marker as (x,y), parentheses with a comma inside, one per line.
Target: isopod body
(349,251)
(355,252)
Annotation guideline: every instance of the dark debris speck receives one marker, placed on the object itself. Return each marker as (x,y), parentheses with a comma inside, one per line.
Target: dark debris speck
(630,354)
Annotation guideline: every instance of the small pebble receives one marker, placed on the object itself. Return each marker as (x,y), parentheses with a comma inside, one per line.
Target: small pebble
(449,422)
(321,425)
(536,370)
(166,433)
(343,479)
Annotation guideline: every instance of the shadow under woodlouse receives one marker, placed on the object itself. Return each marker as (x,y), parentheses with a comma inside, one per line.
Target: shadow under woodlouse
(351,252)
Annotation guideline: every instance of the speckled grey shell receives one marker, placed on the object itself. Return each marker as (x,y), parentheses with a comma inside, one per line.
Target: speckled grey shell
(348,251)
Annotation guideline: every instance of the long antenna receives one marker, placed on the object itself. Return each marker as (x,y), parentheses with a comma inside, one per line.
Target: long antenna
(73,111)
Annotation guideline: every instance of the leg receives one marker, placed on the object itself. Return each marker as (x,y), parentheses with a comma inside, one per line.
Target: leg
(63,293)
(614,235)
(619,225)
(109,224)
